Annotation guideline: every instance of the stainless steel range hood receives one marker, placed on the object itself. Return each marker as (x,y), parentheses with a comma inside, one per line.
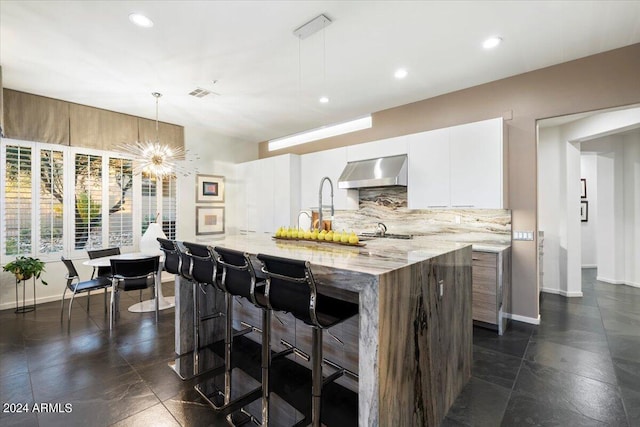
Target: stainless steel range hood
(380,172)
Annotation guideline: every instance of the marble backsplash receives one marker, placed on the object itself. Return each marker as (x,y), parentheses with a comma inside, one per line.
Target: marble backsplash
(389,206)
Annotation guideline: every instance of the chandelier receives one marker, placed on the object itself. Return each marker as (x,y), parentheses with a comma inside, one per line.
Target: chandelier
(156,159)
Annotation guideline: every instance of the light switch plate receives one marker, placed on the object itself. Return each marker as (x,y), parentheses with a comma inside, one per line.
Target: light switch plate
(523,235)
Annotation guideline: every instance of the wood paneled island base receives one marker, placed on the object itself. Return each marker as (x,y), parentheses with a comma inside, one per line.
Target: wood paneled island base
(415,326)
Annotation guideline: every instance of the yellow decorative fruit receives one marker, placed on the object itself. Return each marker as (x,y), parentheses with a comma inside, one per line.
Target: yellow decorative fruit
(329,236)
(344,237)
(353,238)
(314,234)
(322,235)
(337,237)
(279,232)
(307,234)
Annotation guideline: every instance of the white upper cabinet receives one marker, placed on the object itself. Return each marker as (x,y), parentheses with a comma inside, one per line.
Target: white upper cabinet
(315,166)
(269,194)
(429,182)
(373,150)
(477,167)
(458,167)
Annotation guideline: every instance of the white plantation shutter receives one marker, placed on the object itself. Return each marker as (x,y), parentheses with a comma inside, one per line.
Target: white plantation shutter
(58,200)
(120,202)
(51,202)
(88,202)
(18,207)
(169,206)
(149,201)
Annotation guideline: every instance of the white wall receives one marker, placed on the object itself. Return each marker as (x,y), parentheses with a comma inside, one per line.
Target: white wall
(552,199)
(631,178)
(573,286)
(588,171)
(217,156)
(610,230)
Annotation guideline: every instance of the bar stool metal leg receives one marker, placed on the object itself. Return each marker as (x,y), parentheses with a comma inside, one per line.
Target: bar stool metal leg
(316,377)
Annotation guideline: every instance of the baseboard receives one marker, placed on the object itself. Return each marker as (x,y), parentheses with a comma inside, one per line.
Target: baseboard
(612,281)
(618,282)
(41,300)
(525,319)
(590,266)
(563,293)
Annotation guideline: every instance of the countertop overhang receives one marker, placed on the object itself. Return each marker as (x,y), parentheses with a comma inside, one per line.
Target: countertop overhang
(378,256)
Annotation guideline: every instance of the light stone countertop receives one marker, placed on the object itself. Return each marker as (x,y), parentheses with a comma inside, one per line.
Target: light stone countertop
(378,256)
(481,246)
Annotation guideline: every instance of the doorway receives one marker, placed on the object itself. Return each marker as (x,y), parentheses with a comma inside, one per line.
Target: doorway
(589,199)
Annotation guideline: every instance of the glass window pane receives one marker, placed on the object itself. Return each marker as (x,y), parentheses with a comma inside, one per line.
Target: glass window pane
(51,201)
(88,200)
(149,201)
(17,203)
(169,206)
(120,202)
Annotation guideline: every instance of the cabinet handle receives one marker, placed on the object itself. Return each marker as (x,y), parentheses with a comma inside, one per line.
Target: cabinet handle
(463,206)
(437,206)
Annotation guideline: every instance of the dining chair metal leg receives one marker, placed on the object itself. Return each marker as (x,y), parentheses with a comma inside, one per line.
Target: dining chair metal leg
(62,304)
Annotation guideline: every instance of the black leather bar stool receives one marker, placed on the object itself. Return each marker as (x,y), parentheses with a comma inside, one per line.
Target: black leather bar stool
(234,388)
(290,287)
(178,263)
(203,273)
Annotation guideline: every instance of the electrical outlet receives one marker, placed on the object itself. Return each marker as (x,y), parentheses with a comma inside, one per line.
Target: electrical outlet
(457,219)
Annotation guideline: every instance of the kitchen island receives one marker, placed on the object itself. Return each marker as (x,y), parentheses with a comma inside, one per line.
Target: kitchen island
(414,334)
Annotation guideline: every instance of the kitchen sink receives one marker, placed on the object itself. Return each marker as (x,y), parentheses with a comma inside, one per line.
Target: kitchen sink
(387,235)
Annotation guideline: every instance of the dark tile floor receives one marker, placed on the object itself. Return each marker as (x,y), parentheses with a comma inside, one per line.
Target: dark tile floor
(580,367)
(122,378)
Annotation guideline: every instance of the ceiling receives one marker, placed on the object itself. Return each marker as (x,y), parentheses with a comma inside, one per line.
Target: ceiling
(267,81)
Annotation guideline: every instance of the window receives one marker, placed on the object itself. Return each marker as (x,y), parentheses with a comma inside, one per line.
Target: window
(88,202)
(51,201)
(169,207)
(59,200)
(149,201)
(17,200)
(120,202)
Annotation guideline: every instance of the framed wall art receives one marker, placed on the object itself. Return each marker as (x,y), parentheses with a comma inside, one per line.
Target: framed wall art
(209,220)
(584,211)
(209,188)
(583,188)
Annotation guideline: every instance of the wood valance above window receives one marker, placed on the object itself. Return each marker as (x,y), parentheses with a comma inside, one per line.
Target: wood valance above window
(36,118)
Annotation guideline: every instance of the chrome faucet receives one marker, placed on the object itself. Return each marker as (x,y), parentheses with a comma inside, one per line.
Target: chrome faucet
(320,223)
(381,229)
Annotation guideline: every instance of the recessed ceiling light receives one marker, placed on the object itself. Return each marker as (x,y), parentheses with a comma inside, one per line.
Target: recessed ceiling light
(323,100)
(492,42)
(140,20)
(400,73)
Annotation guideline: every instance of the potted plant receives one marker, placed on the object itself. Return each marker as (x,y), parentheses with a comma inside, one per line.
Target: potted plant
(24,268)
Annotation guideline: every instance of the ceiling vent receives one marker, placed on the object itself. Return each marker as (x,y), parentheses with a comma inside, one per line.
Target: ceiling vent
(200,93)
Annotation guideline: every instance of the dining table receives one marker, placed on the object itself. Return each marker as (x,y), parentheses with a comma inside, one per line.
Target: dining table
(147,305)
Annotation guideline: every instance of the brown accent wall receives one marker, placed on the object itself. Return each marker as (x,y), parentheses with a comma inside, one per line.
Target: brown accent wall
(605,80)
